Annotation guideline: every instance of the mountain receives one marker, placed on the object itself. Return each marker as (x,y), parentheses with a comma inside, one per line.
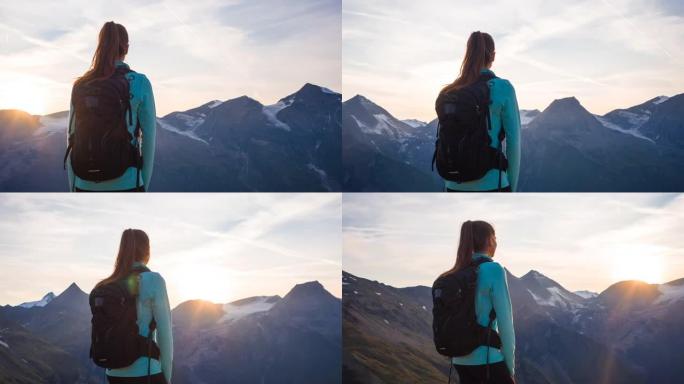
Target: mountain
(39,303)
(547,292)
(257,339)
(629,332)
(233,145)
(295,339)
(382,153)
(565,148)
(59,325)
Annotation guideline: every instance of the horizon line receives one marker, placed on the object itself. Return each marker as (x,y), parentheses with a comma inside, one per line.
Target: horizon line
(519,109)
(520,277)
(181,302)
(222,101)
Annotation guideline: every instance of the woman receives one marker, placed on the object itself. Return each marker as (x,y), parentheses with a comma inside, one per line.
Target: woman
(503,111)
(108,62)
(152,303)
(478,240)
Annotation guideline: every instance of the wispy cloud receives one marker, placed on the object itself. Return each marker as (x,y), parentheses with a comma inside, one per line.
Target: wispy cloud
(218,247)
(576,239)
(192,51)
(609,54)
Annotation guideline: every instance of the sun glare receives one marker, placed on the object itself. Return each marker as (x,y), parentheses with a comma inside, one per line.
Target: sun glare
(638,264)
(24,94)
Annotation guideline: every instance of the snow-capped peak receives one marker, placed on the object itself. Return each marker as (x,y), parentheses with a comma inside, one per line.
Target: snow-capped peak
(39,303)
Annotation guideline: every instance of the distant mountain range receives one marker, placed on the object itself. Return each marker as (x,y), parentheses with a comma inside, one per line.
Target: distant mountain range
(294,339)
(234,145)
(629,333)
(565,148)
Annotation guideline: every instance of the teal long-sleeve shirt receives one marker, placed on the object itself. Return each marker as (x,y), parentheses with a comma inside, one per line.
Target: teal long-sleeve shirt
(143,108)
(492,292)
(504,113)
(152,301)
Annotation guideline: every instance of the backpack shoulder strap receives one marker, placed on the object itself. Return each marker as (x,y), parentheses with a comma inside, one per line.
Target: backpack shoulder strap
(140,269)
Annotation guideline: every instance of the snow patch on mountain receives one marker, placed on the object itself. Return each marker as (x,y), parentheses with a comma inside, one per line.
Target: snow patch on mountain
(670,293)
(631,131)
(186,133)
(526,117)
(586,294)
(4,344)
(191,121)
(557,298)
(660,99)
(321,173)
(415,123)
(39,303)
(238,311)
(271,112)
(214,103)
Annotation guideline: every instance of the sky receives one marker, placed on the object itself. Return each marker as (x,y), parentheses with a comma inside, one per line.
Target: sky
(216,247)
(608,53)
(582,241)
(192,51)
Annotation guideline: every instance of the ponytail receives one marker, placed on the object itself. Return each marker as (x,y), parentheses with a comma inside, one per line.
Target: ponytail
(474,238)
(479,54)
(112,44)
(134,247)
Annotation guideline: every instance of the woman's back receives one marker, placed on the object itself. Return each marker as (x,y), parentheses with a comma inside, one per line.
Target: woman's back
(492,293)
(504,114)
(152,303)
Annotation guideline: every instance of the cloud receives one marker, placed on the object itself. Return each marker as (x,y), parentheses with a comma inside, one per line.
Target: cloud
(192,52)
(219,247)
(609,54)
(577,239)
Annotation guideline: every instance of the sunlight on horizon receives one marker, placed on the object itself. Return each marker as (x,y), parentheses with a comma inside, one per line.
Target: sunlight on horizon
(638,263)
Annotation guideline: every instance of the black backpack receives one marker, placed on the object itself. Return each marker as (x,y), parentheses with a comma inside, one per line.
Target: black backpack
(101,146)
(454,321)
(115,341)
(462,149)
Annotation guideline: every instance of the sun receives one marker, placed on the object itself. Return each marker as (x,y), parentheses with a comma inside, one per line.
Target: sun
(196,282)
(638,263)
(23,93)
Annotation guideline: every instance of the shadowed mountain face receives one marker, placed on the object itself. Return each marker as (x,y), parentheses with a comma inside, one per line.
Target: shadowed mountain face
(624,335)
(564,148)
(266,339)
(236,145)
(382,153)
